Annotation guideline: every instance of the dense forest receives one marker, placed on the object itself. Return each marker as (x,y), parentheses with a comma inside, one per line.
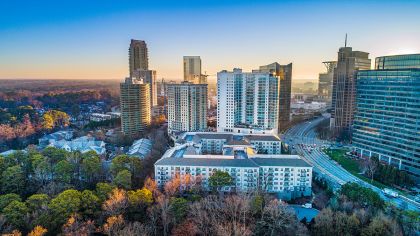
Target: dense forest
(56,192)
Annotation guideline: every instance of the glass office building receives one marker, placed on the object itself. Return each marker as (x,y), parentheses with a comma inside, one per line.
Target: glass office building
(387,119)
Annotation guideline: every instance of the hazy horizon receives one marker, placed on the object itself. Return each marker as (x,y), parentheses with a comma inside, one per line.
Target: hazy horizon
(89,40)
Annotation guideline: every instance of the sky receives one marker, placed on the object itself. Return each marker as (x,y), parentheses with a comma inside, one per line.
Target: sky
(82,39)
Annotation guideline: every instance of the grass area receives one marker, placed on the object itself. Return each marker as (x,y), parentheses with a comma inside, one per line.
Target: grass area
(351,165)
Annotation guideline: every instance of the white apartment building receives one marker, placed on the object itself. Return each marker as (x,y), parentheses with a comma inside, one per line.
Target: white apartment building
(187,107)
(199,156)
(99,117)
(247,102)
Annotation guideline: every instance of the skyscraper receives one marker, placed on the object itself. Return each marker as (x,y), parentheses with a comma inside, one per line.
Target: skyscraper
(344,92)
(326,80)
(247,102)
(187,107)
(138,56)
(139,67)
(192,70)
(284,74)
(135,106)
(386,123)
(148,77)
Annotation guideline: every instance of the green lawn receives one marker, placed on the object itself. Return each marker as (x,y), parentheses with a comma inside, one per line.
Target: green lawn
(351,165)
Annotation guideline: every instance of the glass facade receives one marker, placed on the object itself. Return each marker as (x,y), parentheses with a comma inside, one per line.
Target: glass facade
(387,120)
(398,62)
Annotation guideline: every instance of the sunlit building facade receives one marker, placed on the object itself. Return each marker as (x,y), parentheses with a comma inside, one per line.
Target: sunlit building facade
(135,106)
(387,120)
(187,107)
(247,102)
(344,88)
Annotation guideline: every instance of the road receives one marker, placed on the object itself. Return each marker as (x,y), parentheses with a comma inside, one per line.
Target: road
(304,133)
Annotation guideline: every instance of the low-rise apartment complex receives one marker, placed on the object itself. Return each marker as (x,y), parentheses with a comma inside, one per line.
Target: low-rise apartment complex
(254,162)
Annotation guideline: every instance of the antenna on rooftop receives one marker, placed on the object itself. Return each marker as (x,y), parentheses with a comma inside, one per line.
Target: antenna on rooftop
(345,41)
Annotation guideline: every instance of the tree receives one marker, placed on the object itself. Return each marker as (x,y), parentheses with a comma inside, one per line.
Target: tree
(140,197)
(116,203)
(38,231)
(382,225)
(91,166)
(179,209)
(123,179)
(119,163)
(64,205)
(90,204)
(37,202)
(276,220)
(103,190)
(54,155)
(13,180)
(15,213)
(6,199)
(74,226)
(371,166)
(362,195)
(220,179)
(64,171)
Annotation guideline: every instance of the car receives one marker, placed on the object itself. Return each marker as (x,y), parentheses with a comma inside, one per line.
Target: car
(307,205)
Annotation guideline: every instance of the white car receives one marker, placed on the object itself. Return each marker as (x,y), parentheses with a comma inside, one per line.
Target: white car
(307,205)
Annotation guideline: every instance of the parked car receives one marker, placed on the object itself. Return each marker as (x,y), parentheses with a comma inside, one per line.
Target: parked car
(307,205)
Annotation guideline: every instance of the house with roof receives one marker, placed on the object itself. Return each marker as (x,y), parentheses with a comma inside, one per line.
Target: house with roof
(141,148)
(82,144)
(55,137)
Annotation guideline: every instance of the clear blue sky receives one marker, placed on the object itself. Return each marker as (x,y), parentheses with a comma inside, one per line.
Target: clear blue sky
(89,39)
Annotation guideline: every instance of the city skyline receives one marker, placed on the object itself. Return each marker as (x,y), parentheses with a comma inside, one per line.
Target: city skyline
(89,40)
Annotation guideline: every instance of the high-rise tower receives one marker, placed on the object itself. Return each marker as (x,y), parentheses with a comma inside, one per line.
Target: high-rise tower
(187,107)
(344,91)
(284,74)
(247,102)
(135,106)
(138,56)
(192,70)
(326,80)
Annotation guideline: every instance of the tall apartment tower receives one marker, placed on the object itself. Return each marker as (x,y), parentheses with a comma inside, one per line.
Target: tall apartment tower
(138,56)
(139,67)
(247,102)
(386,123)
(135,106)
(284,74)
(192,70)
(148,77)
(326,80)
(187,107)
(344,88)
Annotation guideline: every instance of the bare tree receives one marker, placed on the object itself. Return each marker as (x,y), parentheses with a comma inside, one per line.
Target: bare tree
(116,203)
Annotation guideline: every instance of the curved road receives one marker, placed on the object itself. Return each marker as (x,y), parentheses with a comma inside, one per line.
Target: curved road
(303,135)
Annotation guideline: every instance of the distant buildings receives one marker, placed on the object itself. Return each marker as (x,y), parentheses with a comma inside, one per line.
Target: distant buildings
(326,81)
(192,70)
(141,148)
(247,102)
(284,73)
(344,91)
(148,77)
(386,123)
(135,106)
(82,144)
(55,137)
(97,117)
(187,107)
(243,157)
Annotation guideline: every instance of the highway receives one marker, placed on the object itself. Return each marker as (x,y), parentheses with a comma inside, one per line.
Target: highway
(303,135)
